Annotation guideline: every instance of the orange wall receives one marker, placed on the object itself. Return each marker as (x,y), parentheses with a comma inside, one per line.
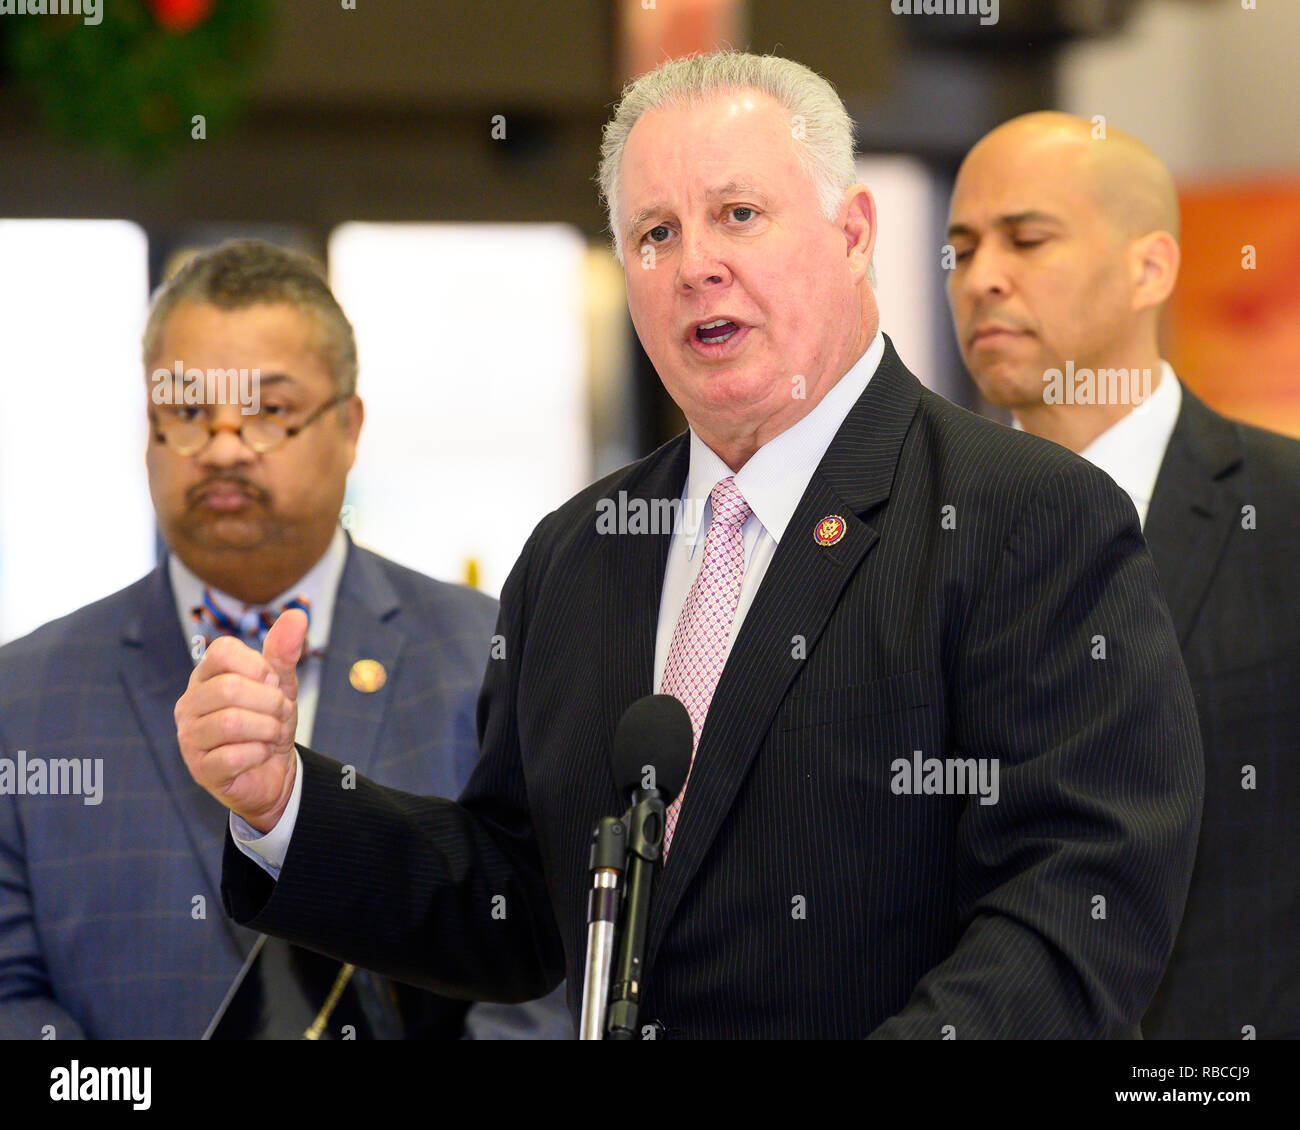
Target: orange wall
(1234,333)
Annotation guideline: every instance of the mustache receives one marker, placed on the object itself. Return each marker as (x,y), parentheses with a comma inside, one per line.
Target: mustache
(193,496)
(980,316)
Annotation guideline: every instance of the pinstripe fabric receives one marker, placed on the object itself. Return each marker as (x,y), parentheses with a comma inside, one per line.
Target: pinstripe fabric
(804,897)
(97,927)
(1235,603)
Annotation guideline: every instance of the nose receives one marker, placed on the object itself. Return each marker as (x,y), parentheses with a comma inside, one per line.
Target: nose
(701,265)
(226,447)
(986,274)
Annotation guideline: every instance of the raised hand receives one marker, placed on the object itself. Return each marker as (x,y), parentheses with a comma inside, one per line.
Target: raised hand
(236,721)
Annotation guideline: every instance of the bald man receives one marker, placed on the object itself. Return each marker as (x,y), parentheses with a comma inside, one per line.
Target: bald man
(1066,249)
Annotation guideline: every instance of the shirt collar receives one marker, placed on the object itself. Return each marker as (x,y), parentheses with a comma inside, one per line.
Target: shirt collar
(1131,450)
(319,585)
(775,477)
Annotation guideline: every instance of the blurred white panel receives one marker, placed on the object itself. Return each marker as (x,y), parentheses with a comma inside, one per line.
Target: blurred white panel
(1153,81)
(472,354)
(1204,85)
(912,311)
(76,522)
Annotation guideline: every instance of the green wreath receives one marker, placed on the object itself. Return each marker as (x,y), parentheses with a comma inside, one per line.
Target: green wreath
(150,77)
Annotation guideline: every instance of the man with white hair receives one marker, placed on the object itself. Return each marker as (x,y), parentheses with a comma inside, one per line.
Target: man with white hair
(946,772)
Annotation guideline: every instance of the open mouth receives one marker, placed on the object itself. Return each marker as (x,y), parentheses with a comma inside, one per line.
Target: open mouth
(716,332)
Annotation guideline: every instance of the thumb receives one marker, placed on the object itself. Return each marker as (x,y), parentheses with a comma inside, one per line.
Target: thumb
(283,646)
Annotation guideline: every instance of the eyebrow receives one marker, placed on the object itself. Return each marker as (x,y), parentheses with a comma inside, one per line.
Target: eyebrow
(731,188)
(265,379)
(1009,220)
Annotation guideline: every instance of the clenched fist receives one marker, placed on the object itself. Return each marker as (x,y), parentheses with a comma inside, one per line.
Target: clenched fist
(236,721)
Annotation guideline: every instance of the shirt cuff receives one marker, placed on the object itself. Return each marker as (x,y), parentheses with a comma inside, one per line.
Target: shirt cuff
(268,851)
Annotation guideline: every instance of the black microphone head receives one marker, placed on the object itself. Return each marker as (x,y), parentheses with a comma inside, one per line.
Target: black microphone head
(652,746)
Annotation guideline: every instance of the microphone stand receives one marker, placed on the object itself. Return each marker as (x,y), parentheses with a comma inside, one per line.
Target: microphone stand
(645,838)
(608,852)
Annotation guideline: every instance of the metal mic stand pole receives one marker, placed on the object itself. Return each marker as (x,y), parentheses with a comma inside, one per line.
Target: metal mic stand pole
(608,852)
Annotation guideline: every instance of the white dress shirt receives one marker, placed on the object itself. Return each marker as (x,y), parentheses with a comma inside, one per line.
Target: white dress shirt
(1131,450)
(772,482)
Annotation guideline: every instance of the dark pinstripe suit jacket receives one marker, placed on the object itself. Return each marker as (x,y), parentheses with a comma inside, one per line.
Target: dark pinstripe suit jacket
(803,897)
(1232,577)
(98,932)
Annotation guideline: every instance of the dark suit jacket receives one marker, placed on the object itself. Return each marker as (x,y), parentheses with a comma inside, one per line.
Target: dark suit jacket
(98,928)
(803,897)
(1232,578)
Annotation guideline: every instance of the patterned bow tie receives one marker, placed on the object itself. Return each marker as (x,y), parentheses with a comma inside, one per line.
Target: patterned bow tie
(250,625)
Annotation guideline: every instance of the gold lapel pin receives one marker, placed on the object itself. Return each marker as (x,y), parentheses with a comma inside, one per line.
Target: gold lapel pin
(829,530)
(367,675)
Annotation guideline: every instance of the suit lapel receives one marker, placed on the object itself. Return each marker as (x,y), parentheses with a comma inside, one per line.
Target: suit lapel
(348,722)
(632,577)
(1192,507)
(798,594)
(155,671)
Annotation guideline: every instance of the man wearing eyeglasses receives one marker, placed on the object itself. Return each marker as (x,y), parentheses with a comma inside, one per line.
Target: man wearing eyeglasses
(111,923)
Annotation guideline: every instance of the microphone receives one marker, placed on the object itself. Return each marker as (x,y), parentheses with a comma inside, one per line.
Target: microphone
(651,758)
(652,747)
(649,766)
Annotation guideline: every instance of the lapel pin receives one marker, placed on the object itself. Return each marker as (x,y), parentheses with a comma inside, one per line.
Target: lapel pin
(367,675)
(829,530)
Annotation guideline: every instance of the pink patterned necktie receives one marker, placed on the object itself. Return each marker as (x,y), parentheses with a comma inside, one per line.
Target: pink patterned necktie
(699,648)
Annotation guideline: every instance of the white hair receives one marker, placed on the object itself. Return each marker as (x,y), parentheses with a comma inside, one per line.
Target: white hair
(819,122)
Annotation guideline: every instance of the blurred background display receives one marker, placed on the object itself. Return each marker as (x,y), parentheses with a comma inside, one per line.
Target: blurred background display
(439,160)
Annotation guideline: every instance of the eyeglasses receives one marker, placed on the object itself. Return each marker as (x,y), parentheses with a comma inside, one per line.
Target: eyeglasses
(186,429)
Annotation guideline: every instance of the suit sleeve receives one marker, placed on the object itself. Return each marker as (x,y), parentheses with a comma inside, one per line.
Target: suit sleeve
(544,1019)
(443,895)
(1071,886)
(27,1004)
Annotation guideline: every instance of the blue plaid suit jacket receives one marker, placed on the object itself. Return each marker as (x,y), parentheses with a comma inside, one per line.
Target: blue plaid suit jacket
(111,923)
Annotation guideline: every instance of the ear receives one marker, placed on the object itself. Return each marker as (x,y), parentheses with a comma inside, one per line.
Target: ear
(1153,264)
(355,416)
(858,221)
